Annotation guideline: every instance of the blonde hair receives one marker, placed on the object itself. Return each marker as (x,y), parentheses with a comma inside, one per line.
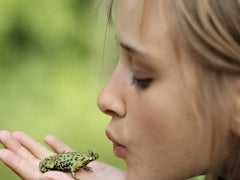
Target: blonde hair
(211,33)
(213,29)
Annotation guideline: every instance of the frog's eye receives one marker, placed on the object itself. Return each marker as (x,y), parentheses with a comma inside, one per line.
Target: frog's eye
(90,153)
(96,155)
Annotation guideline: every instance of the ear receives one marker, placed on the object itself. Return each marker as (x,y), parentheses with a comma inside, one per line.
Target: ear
(235,87)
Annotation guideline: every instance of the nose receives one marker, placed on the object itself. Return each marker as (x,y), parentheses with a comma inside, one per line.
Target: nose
(111,98)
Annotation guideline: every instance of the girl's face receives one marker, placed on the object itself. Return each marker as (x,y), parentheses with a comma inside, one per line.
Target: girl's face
(153,127)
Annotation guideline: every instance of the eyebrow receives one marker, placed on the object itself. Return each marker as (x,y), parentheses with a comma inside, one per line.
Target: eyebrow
(129,48)
(133,49)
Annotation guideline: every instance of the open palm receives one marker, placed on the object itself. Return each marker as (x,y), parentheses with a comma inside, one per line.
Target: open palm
(22,154)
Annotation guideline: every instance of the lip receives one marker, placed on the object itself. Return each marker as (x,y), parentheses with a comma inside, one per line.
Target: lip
(118,149)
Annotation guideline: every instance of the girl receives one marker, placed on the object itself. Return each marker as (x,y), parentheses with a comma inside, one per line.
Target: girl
(174,96)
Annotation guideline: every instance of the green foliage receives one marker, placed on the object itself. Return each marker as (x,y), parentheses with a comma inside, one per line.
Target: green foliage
(44,27)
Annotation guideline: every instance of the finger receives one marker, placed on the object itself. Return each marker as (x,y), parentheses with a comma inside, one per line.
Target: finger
(11,143)
(33,146)
(20,166)
(56,144)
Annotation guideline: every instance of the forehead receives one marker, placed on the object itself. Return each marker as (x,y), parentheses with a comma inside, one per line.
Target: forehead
(142,21)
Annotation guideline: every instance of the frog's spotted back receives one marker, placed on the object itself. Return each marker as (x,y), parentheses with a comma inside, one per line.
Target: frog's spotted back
(68,161)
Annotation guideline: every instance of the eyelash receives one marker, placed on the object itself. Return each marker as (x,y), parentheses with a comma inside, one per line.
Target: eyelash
(141,83)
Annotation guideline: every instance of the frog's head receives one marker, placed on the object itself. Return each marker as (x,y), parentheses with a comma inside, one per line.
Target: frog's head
(91,155)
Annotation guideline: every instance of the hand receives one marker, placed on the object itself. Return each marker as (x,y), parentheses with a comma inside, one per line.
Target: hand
(22,154)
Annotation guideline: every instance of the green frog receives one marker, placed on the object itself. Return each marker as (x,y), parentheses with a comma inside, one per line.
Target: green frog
(68,161)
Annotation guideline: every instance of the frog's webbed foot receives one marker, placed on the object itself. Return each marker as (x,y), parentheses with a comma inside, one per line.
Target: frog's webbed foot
(87,168)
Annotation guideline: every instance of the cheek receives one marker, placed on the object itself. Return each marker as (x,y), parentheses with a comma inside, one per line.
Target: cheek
(162,136)
(168,123)
(159,122)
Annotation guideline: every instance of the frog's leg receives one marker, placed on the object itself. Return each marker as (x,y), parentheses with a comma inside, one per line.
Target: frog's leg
(44,169)
(73,173)
(75,166)
(87,168)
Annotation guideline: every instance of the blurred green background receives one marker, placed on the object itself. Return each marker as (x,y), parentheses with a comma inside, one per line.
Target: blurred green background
(52,66)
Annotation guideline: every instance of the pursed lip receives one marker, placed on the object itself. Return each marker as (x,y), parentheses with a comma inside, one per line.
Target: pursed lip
(118,149)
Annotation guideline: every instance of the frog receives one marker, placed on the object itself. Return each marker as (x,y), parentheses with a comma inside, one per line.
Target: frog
(68,161)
